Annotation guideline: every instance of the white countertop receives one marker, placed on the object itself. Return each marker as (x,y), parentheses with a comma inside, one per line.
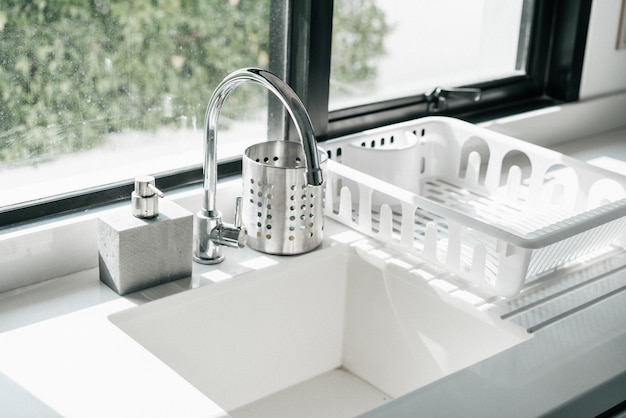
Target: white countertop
(61,356)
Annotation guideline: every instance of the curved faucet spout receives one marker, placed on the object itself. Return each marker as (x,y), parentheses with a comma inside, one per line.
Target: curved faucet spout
(287,97)
(208,225)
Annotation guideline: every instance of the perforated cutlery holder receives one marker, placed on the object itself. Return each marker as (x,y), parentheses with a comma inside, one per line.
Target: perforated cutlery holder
(282,213)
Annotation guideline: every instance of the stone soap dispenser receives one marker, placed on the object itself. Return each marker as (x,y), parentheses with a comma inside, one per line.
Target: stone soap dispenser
(149,245)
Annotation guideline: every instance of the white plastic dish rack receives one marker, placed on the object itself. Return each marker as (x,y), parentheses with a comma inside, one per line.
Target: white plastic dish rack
(496,211)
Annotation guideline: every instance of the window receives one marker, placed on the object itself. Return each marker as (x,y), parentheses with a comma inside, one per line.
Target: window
(98,92)
(388,55)
(410,47)
(95,92)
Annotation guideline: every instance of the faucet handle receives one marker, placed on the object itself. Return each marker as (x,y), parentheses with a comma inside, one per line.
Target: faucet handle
(234,235)
(238,212)
(210,233)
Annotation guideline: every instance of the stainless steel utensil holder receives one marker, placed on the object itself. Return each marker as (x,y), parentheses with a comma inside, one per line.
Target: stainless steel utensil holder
(283,214)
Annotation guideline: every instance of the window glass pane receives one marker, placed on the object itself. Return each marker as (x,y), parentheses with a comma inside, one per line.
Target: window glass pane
(385,49)
(98,91)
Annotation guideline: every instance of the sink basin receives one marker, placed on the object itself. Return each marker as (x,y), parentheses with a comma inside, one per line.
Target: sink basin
(331,333)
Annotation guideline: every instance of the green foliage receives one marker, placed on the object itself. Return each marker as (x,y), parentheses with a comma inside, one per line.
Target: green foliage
(72,71)
(359,30)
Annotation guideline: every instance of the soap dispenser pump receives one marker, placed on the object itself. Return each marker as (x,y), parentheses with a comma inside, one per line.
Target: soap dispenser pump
(145,198)
(150,245)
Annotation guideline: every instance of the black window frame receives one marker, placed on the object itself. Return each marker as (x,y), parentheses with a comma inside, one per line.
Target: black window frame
(554,68)
(553,72)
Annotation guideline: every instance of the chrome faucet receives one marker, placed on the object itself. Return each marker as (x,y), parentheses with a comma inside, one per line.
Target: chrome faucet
(210,233)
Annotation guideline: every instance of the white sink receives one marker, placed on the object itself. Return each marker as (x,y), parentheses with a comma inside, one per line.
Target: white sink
(332,333)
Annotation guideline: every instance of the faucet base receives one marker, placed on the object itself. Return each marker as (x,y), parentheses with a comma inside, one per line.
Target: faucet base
(206,251)
(210,234)
(208,261)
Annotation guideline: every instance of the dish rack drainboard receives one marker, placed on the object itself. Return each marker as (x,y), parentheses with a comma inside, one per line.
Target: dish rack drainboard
(496,211)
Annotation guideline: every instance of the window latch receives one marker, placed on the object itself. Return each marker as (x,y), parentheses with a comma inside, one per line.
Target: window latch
(438,98)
